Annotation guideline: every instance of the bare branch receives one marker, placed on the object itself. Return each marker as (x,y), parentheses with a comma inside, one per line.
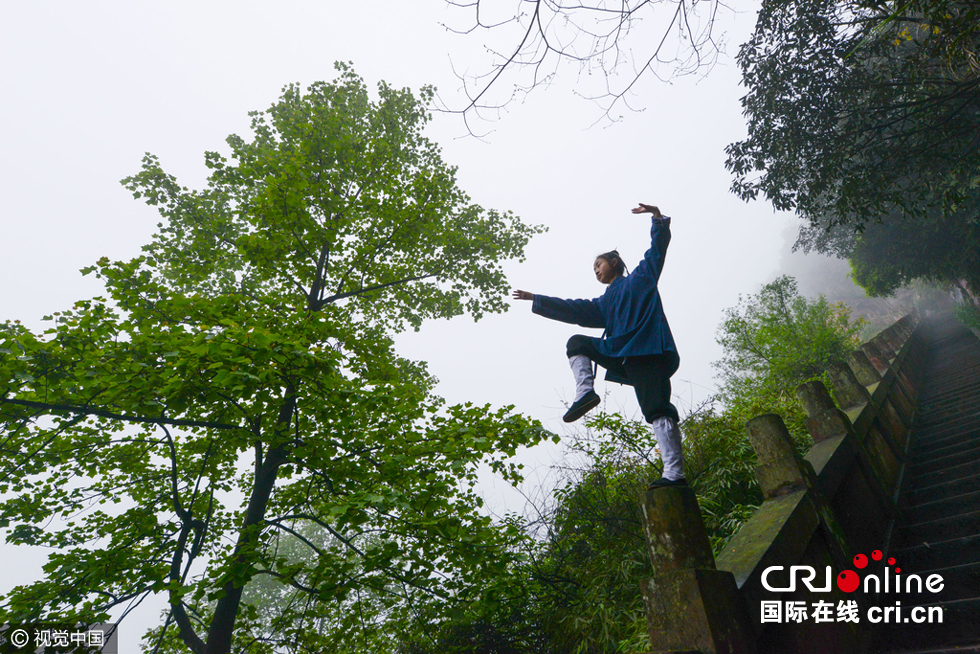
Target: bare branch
(595,36)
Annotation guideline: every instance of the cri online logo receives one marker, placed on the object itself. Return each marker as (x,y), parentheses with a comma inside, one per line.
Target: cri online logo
(849,581)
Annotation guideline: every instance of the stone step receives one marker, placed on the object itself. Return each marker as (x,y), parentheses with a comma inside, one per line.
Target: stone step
(933,420)
(921,492)
(965,524)
(931,555)
(958,443)
(945,507)
(946,375)
(946,382)
(945,371)
(962,443)
(966,452)
(953,473)
(961,401)
(958,401)
(928,438)
(941,388)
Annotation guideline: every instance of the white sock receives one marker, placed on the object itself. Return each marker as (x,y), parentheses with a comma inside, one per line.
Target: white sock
(669,439)
(582,371)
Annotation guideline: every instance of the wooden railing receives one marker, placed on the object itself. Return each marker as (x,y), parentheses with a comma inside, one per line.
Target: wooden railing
(818,511)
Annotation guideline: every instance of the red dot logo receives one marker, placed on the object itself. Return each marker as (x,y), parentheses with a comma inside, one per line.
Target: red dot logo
(891,560)
(848,581)
(876,555)
(898,570)
(860,561)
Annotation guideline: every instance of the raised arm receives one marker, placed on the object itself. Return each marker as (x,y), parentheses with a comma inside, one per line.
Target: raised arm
(659,240)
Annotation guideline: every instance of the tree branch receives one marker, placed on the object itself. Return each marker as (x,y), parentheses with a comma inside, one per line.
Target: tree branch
(555,32)
(102,413)
(339,296)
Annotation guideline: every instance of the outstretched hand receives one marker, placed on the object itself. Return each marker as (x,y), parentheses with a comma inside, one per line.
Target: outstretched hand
(648,208)
(523,295)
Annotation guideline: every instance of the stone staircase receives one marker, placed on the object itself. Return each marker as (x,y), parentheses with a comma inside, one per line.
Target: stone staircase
(938,530)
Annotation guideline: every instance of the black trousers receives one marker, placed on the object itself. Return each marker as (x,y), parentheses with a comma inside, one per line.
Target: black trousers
(649,375)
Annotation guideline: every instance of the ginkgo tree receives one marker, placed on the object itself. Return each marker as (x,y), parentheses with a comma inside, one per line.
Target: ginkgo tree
(237,385)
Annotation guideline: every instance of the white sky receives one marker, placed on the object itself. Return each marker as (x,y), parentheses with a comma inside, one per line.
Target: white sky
(87,88)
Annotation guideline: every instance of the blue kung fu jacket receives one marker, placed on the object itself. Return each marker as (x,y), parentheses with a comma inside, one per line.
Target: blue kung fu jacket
(630,310)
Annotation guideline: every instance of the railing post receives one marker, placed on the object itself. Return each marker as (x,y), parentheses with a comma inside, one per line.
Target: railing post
(892,341)
(848,391)
(825,422)
(867,375)
(881,354)
(863,370)
(875,356)
(780,468)
(851,394)
(782,471)
(690,605)
(884,345)
(895,338)
(823,419)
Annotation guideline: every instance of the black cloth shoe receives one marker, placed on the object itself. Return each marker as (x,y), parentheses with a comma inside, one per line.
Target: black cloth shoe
(580,407)
(664,483)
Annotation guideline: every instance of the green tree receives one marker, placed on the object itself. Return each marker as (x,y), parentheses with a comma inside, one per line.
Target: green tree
(864,117)
(890,254)
(775,340)
(858,109)
(238,384)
